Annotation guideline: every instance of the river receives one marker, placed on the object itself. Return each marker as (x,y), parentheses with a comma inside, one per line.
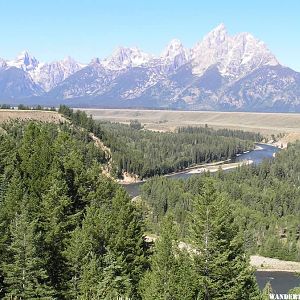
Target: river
(281,282)
(257,156)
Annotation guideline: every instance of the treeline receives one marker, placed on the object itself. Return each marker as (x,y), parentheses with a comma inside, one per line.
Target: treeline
(68,232)
(243,135)
(266,203)
(148,153)
(25,107)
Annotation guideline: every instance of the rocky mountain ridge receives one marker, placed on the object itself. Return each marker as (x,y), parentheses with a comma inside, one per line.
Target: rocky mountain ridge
(221,72)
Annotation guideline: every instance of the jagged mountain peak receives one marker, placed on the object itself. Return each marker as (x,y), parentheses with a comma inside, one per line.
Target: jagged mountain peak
(24,61)
(216,36)
(253,47)
(48,75)
(24,54)
(174,48)
(3,63)
(235,55)
(95,60)
(221,28)
(174,55)
(69,60)
(174,44)
(124,57)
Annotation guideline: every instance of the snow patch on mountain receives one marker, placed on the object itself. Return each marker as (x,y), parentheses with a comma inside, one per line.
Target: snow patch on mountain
(175,55)
(235,55)
(126,57)
(24,61)
(49,75)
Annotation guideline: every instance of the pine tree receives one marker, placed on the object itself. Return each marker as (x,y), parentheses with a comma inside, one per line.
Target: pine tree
(223,268)
(2,238)
(126,240)
(9,206)
(295,290)
(170,275)
(55,224)
(84,254)
(115,283)
(24,274)
(267,291)
(91,274)
(106,254)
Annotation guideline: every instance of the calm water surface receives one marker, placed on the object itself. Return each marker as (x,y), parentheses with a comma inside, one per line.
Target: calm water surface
(281,282)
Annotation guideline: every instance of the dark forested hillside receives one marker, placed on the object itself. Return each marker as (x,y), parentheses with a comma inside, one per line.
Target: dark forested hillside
(67,232)
(148,153)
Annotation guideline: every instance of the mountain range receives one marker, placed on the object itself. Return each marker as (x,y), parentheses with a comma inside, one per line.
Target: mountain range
(221,72)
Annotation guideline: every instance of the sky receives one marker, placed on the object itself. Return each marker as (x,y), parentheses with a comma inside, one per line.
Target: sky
(84,29)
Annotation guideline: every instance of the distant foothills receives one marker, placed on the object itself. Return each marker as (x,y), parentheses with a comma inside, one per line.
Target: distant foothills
(221,72)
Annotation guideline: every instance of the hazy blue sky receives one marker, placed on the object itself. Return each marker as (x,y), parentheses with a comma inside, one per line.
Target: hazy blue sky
(53,29)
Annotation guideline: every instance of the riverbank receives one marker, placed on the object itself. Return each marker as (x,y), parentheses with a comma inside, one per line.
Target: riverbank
(129,179)
(268,264)
(287,138)
(223,167)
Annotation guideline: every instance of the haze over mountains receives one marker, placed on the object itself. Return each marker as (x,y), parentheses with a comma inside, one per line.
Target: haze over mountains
(221,72)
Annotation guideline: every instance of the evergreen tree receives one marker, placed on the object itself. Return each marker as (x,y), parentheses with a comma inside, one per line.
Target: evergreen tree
(9,206)
(126,241)
(170,275)
(77,235)
(25,275)
(267,291)
(106,255)
(295,290)
(115,283)
(55,224)
(84,254)
(222,266)
(91,274)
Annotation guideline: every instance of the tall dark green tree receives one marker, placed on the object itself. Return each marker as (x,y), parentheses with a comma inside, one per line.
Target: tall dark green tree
(126,240)
(55,223)
(171,275)
(115,283)
(106,254)
(84,254)
(222,266)
(25,274)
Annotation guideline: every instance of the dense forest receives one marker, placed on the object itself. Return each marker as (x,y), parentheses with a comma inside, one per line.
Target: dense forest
(69,232)
(146,153)
(266,202)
